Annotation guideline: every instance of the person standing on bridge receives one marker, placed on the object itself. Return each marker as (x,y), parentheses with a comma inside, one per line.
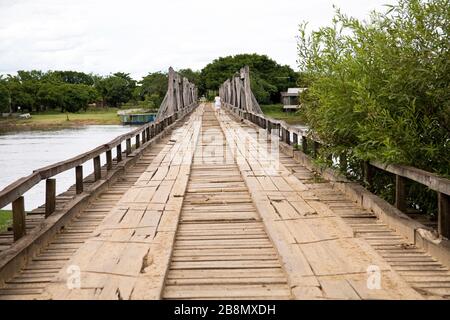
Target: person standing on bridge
(217,104)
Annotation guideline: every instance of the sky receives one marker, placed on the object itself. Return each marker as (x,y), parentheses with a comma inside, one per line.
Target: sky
(141,36)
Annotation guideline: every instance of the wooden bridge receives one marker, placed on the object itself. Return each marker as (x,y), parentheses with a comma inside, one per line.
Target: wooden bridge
(218,205)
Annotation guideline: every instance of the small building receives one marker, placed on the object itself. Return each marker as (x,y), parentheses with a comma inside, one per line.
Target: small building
(290,99)
(137,118)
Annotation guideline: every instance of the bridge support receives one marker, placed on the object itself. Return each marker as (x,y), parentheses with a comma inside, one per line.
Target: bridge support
(181,94)
(237,92)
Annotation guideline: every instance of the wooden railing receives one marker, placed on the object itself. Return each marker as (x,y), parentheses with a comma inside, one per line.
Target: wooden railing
(14,193)
(296,136)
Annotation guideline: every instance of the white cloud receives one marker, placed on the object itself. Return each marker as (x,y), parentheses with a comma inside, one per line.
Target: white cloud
(139,36)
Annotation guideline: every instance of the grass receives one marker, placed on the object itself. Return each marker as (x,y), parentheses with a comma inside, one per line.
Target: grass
(5,219)
(276,111)
(108,116)
(56,120)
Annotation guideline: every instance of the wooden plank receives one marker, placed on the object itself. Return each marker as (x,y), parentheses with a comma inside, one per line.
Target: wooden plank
(226,291)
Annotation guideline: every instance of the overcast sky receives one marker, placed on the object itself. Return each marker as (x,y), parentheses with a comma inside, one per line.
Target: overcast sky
(139,36)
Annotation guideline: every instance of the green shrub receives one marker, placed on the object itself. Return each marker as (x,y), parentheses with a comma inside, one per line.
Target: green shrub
(378,89)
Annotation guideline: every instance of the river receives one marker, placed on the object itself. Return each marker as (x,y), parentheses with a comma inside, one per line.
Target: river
(23,152)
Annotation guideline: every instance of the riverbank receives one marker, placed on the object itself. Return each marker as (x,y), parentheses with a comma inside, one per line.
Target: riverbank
(54,121)
(276,111)
(5,219)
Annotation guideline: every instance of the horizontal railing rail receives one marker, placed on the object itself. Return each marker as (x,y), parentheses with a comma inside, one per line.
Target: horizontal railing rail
(13,193)
(292,135)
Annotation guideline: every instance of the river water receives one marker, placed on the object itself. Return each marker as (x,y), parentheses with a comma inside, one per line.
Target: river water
(23,152)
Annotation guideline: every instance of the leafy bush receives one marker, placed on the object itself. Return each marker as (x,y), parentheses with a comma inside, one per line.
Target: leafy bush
(116,89)
(379,89)
(77,97)
(152,89)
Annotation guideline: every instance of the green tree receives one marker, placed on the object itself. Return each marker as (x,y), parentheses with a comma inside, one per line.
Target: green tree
(379,89)
(4,96)
(153,88)
(50,95)
(268,77)
(76,97)
(20,95)
(116,89)
(192,76)
(73,77)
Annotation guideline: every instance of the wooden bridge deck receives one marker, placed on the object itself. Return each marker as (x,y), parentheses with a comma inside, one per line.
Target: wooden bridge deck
(210,213)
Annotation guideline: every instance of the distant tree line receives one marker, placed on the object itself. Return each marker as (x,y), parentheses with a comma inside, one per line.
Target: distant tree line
(73,91)
(62,90)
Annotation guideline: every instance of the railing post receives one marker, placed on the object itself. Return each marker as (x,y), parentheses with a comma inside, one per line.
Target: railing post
(444,215)
(147,134)
(368,175)
(276,127)
(50,196)
(79,179)
(119,152)
(295,139)
(400,193)
(128,147)
(19,226)
(109,160)
(138,142)
(304,144)
(97,169)
(343,162)
(316,146)
(283,134)
(288,136)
